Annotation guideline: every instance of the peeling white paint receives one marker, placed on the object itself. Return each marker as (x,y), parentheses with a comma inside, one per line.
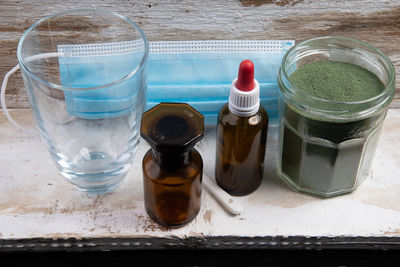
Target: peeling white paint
(35,200)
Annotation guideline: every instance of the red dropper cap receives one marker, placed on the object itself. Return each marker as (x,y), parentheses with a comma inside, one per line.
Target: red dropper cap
(245,81)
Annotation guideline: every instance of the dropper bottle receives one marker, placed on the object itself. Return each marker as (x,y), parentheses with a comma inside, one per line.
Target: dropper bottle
(241,136)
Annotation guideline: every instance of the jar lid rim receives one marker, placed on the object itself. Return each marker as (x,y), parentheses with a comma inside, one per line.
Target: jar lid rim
(389,87)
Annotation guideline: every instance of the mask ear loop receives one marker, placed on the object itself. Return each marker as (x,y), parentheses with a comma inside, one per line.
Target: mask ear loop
(4,86)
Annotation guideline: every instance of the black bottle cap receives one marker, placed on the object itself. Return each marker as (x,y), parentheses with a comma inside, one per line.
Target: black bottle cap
(172,127)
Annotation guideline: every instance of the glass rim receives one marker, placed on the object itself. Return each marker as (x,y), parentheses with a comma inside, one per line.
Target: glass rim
(23,66)
(297,90)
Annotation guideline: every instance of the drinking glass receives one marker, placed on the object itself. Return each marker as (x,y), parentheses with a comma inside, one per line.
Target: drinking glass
(94,149)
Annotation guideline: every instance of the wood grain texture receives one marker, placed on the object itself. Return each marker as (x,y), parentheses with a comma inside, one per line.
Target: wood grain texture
(374,21)
(42,210)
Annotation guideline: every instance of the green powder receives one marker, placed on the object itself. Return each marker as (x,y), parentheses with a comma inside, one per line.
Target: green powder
(330,157)
(337,81)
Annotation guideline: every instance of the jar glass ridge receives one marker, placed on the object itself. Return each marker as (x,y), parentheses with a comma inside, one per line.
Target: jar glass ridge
(316,131)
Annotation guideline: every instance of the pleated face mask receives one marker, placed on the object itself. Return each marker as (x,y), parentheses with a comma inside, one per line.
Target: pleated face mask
(200,73)
(196,72)
(116,65)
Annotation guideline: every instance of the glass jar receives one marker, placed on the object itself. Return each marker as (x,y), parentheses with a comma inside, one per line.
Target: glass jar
(325,147)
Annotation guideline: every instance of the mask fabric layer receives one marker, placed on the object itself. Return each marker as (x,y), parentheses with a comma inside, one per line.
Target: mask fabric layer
(200,73)
(96,65)
(196,72)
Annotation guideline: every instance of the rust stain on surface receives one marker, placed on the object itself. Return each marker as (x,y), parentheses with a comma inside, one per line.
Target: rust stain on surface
(286,197)
(289,202)
(17,204)
(149,225)
(193,233)
(65,235)
(207,216)
(388,198)
(394,232)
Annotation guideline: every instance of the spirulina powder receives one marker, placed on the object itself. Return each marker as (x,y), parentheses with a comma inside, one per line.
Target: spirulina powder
(337,81)
(327,157)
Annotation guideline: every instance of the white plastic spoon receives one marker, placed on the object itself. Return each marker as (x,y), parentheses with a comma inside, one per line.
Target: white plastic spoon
(225,200)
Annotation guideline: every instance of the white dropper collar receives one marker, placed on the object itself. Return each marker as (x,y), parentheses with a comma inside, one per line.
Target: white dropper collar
(245,100)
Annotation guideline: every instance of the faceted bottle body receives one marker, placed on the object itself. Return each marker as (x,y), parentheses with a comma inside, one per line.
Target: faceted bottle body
(172,168)
(172,186)
(241,143)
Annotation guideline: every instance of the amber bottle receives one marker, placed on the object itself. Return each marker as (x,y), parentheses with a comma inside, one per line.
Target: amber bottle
(241,136)
(172,168)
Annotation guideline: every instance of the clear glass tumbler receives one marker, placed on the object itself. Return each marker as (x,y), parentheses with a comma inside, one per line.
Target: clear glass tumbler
(325,147)
(85,72)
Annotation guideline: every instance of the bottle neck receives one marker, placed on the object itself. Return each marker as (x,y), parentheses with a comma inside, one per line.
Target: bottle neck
(171,160)
(244,103)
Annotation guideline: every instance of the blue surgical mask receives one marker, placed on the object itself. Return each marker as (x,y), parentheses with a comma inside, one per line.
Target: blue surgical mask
(196,72)
(200,73)
(94,65)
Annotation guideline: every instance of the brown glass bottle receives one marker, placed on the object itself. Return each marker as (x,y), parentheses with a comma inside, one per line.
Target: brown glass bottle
(241,143)
(172,168)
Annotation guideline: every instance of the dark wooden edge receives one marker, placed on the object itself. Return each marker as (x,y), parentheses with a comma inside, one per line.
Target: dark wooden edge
(220,242)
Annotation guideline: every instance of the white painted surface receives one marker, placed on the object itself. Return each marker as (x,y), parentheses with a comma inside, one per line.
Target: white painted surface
(35,200)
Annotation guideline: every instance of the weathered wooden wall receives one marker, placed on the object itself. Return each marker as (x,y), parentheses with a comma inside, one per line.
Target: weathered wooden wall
(373,21)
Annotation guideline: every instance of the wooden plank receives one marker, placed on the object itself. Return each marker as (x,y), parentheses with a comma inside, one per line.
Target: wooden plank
(373,21)
(188,243)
